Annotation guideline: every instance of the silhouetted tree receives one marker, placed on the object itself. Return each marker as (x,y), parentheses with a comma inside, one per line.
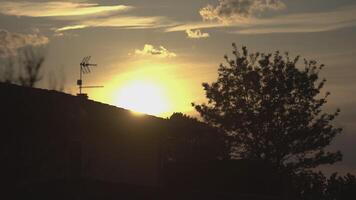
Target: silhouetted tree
(24,68)
(271,110)
(7,71)
(32,62)
(311,185)
(340,187)
(193,141)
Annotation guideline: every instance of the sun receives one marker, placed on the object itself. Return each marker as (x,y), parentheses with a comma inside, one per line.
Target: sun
(145,86)
(143,96)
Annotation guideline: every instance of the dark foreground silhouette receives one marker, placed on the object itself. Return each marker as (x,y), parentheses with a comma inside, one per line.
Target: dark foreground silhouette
(58,146)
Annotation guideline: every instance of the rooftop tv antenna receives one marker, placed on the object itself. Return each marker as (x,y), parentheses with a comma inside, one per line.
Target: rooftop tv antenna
(85,69)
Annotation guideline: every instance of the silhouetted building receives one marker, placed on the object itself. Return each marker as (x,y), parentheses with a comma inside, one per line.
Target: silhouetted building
(51,140)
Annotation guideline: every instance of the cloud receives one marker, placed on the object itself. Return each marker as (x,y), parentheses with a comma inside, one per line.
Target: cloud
(11,42)
(195,25)
(150,50)
(228,11)
(303,23)
(80,15)
(56,9)
(196,34)
(300,29)
(292,23)
(133,22)
(66,28)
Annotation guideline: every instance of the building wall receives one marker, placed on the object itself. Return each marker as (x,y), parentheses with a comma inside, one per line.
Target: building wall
(130,151)
(51,135)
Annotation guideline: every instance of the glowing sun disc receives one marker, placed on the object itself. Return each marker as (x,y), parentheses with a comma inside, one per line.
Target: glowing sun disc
(143,97)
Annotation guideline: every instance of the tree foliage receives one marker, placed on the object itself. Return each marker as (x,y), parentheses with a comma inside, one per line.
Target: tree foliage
(314,185)
(271,110)
(193,141)
(30,74)
(24,68)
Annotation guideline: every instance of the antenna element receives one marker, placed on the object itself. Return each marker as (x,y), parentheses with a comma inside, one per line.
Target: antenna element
(85,69)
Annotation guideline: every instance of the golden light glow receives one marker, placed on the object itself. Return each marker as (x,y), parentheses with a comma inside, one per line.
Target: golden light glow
(154,87)
(143,96)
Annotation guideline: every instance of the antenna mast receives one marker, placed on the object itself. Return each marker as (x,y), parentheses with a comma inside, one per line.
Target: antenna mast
(85,69)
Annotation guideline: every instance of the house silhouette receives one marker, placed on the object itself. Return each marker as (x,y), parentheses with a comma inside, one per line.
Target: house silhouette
(58,146)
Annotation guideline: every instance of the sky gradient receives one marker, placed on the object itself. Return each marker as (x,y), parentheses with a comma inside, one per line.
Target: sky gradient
(174,46)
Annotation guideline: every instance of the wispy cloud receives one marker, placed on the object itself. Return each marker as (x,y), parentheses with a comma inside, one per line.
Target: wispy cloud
(10,42)
(150,50)
(80,15)
(56,9)
(229,11)
(296,29)
(292,23)
(66,28)
(195,25)
(196,34)
(303,23)
(118,21)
